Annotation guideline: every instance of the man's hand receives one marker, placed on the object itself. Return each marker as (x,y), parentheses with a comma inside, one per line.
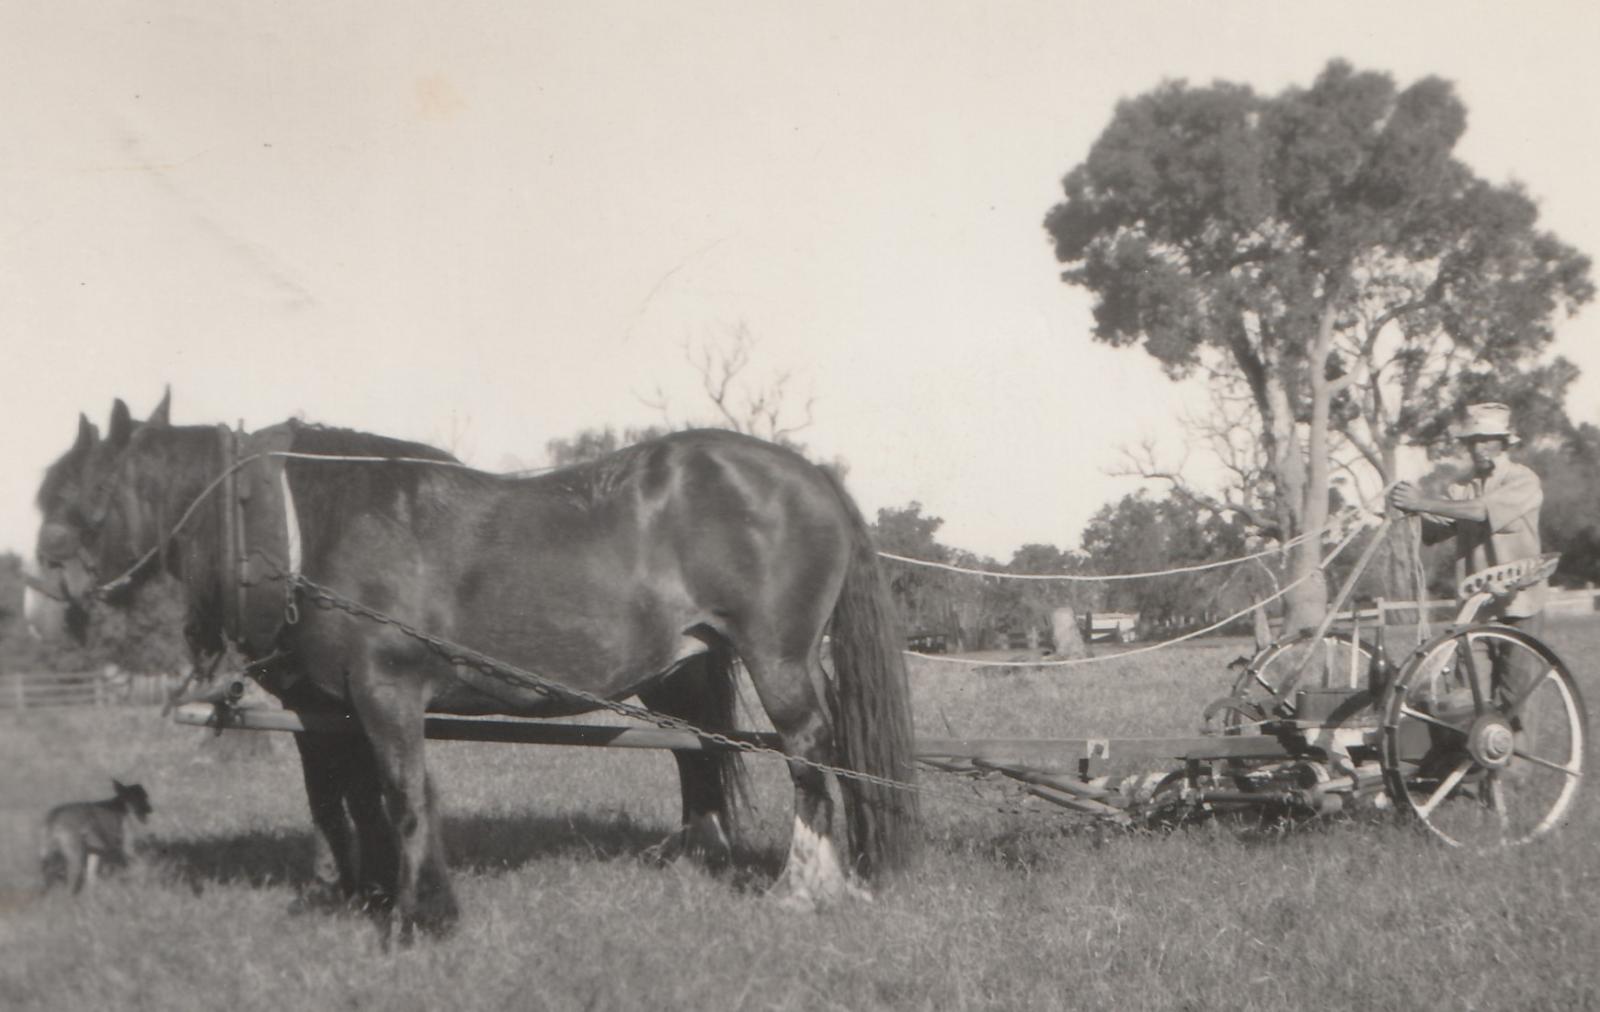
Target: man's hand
(1405,497)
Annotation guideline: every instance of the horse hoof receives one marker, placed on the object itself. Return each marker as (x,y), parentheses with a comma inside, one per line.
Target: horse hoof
(711,853)
(317,900)
(436,917)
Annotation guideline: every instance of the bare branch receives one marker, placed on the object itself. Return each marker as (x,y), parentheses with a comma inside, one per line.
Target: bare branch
(1179,486)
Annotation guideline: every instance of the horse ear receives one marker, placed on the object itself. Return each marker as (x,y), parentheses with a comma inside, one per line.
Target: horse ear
(121,423)
(87,434)
(161,417)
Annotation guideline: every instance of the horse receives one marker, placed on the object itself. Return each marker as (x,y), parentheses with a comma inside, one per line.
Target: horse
(56,607)
(362,570)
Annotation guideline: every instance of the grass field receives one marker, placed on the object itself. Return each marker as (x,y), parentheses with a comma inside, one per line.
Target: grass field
(1012,907)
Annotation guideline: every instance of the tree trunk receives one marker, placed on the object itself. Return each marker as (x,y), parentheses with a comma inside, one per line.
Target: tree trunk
(1399,559)
(1302,509)
(1299,472)
(1070,641)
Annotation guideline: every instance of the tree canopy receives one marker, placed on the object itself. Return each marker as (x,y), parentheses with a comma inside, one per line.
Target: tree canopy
(1325,256)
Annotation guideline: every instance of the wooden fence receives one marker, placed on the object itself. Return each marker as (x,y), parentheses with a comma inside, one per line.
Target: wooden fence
(34,690)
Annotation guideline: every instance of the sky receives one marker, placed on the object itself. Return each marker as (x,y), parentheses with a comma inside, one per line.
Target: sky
(486,225)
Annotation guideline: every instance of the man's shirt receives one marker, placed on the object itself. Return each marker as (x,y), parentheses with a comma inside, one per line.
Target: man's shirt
(1512,496)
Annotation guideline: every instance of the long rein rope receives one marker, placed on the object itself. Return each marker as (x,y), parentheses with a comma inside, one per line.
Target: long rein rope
(127,576)
(1283,591)
(459,655)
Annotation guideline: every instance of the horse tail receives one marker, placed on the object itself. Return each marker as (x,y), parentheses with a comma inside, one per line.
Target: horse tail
(874,732)
(722,701)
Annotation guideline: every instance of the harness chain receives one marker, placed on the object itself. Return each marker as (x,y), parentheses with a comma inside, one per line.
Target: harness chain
(327,599)
(457,655)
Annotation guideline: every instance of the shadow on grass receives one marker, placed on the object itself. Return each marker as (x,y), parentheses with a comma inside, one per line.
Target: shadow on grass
(263,857)
(256,858)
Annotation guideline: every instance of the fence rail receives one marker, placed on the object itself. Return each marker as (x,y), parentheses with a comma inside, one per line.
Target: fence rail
(36,690)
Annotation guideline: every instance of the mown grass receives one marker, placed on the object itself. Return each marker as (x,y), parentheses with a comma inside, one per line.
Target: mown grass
(1013,906)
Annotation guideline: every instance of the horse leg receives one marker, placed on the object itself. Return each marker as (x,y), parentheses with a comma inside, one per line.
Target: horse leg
(326,761)
(378,862)
(703,693)
(793,692)
(392,714)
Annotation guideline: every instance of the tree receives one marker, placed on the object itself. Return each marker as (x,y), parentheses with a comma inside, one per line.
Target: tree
(1028,604)
(919,591)
(1325,254)
(1141,534)
(741,402)
(1570,517)
(591,444)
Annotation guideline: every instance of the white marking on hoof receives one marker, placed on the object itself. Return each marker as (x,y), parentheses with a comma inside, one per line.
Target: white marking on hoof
(705,840)
(812,876)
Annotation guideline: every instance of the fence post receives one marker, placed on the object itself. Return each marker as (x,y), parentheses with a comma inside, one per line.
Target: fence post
(20,680)
(1383,617)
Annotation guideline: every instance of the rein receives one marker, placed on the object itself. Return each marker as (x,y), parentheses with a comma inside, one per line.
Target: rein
(39,586)
(226,478)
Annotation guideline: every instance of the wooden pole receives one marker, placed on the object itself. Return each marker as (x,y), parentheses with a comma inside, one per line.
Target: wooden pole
(1042,755)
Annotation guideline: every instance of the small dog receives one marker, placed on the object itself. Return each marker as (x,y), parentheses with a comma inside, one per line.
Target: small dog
(78,836)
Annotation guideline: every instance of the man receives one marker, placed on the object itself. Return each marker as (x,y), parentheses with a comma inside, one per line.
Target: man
(1493,514)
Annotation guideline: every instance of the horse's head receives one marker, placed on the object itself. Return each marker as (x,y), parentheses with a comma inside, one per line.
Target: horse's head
(85,520)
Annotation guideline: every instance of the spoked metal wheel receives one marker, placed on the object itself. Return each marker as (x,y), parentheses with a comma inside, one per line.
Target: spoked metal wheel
(1485,737)
(1333,660)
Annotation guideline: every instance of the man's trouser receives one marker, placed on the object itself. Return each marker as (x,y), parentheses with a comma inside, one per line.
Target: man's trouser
(1512,675)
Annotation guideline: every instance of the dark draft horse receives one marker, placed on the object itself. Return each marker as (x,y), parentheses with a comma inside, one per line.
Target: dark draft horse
(645,573)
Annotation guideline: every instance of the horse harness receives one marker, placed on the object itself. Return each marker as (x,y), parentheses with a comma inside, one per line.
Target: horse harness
(260,531)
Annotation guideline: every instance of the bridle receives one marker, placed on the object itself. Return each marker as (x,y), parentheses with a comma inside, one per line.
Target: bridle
(234,550)
(44,588)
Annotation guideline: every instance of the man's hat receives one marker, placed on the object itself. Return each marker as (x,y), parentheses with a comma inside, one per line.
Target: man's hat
(1490,419)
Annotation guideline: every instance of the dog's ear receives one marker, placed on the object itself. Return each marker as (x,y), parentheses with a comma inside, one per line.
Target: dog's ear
(119,785)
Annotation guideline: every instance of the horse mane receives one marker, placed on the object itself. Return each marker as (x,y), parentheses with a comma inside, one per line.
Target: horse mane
(188,459)
(59,475)
(328,494)
(332,441)
(589,483)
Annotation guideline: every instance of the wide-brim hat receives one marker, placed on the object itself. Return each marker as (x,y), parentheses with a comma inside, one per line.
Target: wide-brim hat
(1486,420)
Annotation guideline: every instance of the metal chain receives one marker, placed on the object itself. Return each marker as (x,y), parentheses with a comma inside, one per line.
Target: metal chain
(327,599)
(457,655)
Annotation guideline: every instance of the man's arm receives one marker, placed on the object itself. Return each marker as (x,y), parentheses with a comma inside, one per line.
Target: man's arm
(1439,516)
